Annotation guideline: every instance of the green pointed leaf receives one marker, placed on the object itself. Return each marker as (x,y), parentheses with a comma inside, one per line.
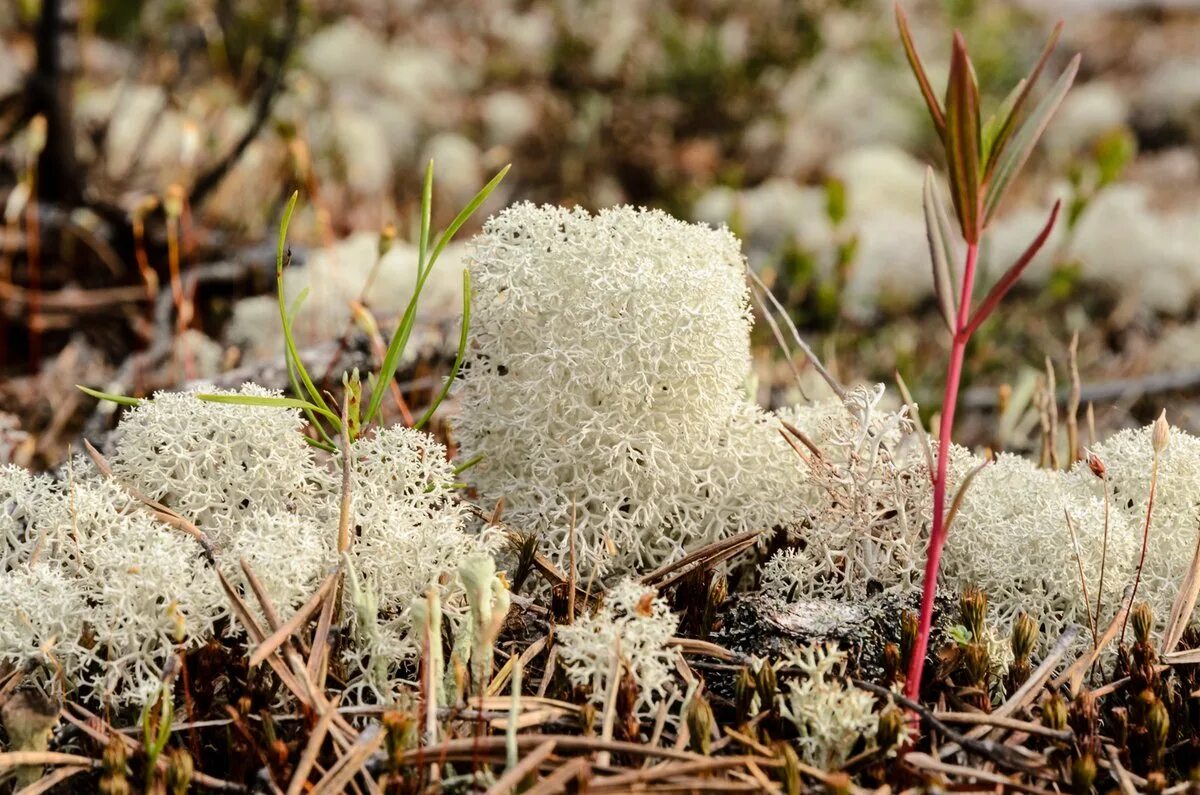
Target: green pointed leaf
(291,353)
(1012,118)
(940,250)
(963,140)
(1010,277)
(391,358)
(995,122)
(268,402)
(1017,152)
(426,217)
(458,358)
(918,70)
(123,400)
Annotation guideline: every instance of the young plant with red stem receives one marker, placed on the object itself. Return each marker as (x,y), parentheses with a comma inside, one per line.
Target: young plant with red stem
(982,160)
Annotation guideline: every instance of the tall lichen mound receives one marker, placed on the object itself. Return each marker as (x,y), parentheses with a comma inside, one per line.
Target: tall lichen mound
(605,386)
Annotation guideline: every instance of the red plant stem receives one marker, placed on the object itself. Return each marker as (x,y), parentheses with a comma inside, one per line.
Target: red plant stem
(937,536)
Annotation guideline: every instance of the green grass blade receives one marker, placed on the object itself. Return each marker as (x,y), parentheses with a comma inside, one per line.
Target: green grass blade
(470,462)
(317,443)
(391,358)
(426,218)
(268,402)
(290,350)
(463,216)
(123,400)
(293,379)
(458,358)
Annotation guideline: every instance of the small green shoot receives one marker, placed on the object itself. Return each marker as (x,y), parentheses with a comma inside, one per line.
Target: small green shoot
(458,358)
(391,359)
(123,400)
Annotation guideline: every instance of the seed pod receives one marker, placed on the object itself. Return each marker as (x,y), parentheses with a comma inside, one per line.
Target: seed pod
(892,664)
(766,684)
(1162,433)
(387,237)
(700,722)
(1024,636)
(792,783)
(972,605)
(1142,619)
(1158,726)
(743,694)
(1054,712)
(112,765)
(1083,773)
(976,663)
(909,624)
(891,727)
(1096,465)
(179,771)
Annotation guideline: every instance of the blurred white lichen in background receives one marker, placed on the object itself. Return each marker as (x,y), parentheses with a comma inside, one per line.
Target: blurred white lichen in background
(335,278)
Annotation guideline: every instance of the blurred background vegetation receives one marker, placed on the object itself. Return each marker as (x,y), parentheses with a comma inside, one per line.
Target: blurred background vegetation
(146,149)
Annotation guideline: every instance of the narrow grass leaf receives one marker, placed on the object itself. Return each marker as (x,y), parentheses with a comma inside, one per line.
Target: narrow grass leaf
(290,351)
(1015,155)
(391,357)
(918,70)
(458,358)
(465,215)
(470,462)
(426,217)
(920,426)
(939,251)
(1011,116)
(963,139)
(268,402)
(123,400)
(960,495)
(1010,277)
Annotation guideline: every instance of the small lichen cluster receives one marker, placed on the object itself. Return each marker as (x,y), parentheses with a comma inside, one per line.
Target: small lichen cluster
(862,510)
(1028,537)
(605,383)
(830,715)
(95,589)
(103,591)
(627,633)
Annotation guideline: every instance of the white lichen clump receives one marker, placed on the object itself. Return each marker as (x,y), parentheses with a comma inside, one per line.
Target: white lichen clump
(1028,537)
(410,538)
(215,462)
(97,586)
(627,633)
(605,384)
